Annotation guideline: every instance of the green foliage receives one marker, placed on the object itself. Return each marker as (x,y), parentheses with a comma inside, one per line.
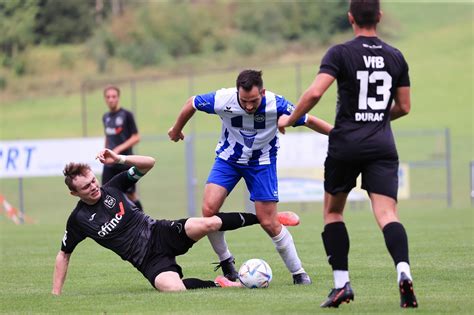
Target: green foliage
(183,29)
(66,59)
(100,49)
(143,53)
(3,82)
(149,32)
(19,66)
(291,20)
(245,43)
(64,21)
(17,20)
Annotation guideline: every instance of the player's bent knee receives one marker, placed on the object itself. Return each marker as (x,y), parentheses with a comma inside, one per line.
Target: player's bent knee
(215,224)
(208,211)
(272,227)
(212,224)
(169,281)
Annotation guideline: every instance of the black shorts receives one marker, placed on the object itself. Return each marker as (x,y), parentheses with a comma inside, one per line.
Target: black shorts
(110,171)
(379,176)
(169,240)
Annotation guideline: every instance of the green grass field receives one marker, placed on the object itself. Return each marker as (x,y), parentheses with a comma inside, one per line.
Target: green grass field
(436,39)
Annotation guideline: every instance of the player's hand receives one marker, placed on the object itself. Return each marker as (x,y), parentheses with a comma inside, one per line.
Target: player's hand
(107,157)
(175,136)
(283,122)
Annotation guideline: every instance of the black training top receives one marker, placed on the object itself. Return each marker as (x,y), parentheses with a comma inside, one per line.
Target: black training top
(114,222)
(118,127)
(368,72)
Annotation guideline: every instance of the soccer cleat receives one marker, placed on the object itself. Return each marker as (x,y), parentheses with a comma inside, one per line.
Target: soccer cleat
(288,218)
(223,282)
(338,296)
(407,295)
(228,268)
(301,278)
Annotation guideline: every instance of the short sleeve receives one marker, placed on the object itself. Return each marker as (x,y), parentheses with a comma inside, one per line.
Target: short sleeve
(72,236)
(205,102)
(285,107)
(331,62)
(404,77)
(131,123)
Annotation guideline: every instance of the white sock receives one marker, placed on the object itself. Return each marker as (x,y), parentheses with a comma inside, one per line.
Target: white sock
(286,248)
(341,277)
(219,245)
(403,267)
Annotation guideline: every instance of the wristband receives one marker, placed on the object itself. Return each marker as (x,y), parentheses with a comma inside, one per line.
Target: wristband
(121,159)
(134,173)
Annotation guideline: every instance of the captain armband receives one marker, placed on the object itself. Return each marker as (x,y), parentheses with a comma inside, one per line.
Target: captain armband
(134,174)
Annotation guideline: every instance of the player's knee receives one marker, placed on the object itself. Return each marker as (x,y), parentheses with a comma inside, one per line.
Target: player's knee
(212,224)
(270,225)
(330,217)
(209,210)
(170,286)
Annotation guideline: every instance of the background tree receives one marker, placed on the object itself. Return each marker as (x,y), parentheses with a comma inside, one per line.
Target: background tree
(64,21)
(17,21)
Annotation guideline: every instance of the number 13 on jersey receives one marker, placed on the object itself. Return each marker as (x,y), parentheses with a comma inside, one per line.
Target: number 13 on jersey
(383,90)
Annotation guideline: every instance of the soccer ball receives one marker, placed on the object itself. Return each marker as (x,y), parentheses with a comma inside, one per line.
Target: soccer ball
(255,273)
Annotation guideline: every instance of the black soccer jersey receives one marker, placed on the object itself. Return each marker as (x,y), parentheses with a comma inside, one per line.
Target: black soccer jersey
(368,72)
(113,222)
(118,127)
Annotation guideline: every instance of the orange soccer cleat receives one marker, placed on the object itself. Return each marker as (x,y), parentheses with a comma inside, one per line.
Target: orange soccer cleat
(223,282)
(288,218)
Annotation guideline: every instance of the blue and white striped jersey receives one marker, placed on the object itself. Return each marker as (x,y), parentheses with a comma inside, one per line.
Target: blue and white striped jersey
(249,139)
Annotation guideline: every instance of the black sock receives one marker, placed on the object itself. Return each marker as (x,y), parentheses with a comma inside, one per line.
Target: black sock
(397,242)
(235,220)
(138,204)
(194,283)
(336,244)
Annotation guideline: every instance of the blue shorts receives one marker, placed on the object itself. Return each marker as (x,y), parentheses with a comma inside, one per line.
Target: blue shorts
(261,180)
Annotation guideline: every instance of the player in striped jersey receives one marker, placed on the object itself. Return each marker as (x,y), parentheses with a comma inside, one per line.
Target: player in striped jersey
(247,149)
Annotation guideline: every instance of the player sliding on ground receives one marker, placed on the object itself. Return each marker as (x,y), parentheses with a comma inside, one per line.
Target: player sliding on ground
(107,216)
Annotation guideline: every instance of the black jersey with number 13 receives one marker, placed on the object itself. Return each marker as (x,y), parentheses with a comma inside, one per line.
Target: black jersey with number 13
(368,73)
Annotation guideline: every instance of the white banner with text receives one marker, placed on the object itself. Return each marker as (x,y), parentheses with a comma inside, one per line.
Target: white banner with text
(34,158)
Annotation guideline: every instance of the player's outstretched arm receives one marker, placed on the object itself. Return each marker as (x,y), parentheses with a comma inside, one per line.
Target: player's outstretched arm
(141,162)
(318,125)
(309,98)
(60,271)
(175,132)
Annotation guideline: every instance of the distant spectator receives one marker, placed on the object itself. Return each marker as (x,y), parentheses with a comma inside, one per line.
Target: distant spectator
(121,134)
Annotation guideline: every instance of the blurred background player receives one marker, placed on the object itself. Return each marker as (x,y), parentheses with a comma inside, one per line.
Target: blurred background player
(247,149)
(107,216)
(121,134)
(370,75)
